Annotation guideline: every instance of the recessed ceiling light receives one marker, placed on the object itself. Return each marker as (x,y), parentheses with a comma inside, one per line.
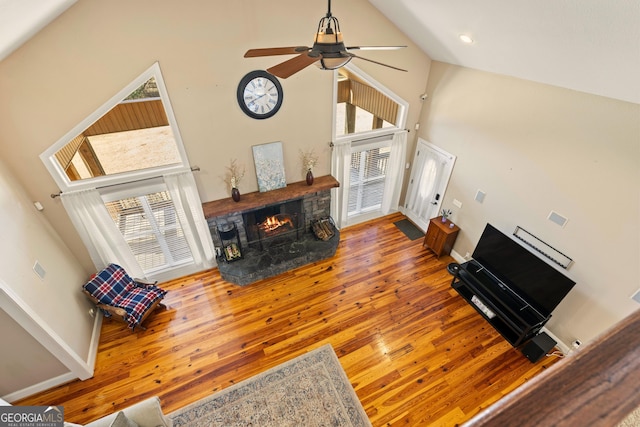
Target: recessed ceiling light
(466,39)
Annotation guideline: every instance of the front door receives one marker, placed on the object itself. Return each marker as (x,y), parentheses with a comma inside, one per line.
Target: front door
(430,175)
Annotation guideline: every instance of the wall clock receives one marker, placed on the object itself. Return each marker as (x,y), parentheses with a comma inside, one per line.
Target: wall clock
(260,94)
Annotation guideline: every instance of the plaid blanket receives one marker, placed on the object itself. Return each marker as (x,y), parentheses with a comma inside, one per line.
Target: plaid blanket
(113,286)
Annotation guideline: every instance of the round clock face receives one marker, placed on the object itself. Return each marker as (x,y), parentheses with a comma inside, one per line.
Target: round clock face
(260,94)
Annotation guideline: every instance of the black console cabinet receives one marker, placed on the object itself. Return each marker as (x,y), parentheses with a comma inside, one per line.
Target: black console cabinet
(505,310)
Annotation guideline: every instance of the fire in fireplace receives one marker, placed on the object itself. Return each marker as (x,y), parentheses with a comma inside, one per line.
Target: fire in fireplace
(276,224)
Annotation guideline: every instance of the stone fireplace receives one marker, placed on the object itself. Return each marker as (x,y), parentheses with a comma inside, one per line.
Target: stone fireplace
(272,230)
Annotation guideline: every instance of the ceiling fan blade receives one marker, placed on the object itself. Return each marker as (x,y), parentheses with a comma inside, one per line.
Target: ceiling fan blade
(375,47)
(270,51)
(293,65)
(375,62)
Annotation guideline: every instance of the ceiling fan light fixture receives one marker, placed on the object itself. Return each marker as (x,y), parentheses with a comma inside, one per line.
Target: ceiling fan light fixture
(328,51)
(329,30)
(329,37)
(333,63)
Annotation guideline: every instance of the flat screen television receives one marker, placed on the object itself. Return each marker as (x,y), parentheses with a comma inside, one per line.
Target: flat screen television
(535,281)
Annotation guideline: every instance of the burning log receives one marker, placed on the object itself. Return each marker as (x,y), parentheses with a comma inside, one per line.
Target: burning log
(276,224)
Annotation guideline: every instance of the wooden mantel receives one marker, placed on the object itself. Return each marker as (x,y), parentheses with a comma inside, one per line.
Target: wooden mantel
(258,200)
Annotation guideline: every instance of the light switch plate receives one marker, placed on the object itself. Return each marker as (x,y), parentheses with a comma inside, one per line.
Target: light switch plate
(457,203)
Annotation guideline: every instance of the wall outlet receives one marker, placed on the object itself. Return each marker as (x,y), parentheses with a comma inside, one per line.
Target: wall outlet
(457,203)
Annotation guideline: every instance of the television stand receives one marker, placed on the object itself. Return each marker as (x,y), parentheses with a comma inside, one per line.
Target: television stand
(510,314)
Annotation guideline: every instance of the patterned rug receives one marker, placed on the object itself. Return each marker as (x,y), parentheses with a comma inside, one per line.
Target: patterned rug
(310,390)
(632,420)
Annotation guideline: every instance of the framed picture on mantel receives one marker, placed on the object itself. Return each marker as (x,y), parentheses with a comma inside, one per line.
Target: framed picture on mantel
(269,163)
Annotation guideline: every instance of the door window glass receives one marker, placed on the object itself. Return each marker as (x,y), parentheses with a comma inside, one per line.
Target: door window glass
(366,182)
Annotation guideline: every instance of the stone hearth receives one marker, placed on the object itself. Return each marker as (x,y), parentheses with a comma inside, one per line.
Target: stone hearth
(257,264)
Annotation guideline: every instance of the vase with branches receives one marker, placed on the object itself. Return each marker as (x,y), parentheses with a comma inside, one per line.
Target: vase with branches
(446,213)
(232,178)
(309,160)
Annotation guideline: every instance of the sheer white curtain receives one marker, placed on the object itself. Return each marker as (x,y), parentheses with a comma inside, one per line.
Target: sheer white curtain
(186,200)
(340,164)
(395,172)
(98,231)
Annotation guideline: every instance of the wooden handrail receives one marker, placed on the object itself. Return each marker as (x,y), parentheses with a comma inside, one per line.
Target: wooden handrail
(597,385)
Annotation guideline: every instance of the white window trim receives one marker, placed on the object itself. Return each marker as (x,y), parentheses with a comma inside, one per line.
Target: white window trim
(61,178)
(132,189)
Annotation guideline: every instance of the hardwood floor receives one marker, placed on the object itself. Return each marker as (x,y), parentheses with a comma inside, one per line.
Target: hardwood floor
(415,352)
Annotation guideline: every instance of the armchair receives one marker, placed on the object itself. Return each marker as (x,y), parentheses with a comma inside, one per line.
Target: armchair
(117,295)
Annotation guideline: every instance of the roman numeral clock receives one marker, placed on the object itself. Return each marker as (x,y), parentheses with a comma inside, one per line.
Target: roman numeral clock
(260,94)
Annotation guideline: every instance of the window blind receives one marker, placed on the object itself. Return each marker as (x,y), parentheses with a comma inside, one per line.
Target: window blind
(150,226)
(367,175)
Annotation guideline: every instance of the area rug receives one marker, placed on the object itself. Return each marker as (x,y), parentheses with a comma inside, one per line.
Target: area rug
(409,230)
(632,420)
(310,390)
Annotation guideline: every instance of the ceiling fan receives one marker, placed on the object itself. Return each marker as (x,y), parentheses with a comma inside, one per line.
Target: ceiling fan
(328,48)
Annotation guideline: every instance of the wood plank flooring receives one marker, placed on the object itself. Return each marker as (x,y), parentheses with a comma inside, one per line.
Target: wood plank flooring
(415,352)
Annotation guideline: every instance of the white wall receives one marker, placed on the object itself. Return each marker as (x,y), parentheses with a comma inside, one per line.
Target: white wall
(54,308)
(24,360)
(535,148)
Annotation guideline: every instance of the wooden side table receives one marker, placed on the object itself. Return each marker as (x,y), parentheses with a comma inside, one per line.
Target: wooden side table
(440,236)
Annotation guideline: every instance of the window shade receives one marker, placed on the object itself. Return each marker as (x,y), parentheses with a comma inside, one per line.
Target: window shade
(150,226)
(367,175)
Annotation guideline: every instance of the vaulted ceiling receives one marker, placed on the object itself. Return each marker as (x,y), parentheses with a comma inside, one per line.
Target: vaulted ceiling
(590,46)
(21,19)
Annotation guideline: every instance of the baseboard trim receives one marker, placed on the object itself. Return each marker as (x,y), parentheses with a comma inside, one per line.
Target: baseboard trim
(37,388)
(95,341)
(459,258)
